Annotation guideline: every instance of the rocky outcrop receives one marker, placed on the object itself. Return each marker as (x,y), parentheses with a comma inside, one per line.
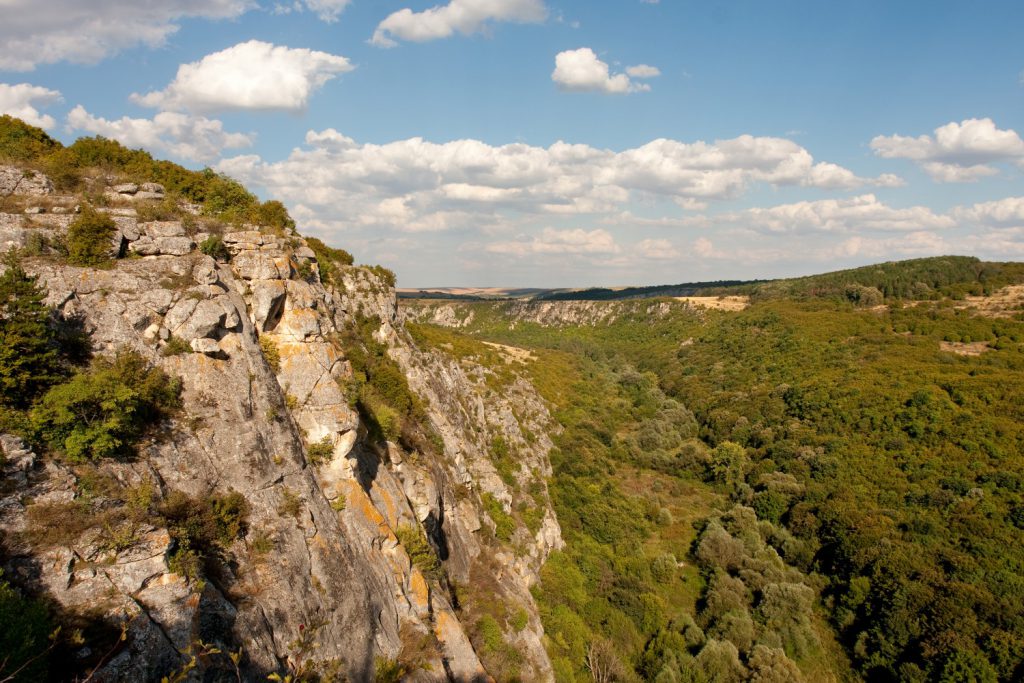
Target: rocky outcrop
(259,346)
(16,181)
(544,313)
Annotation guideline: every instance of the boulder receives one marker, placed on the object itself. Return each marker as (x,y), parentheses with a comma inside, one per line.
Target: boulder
(125,188)
(267,303)
(205,320)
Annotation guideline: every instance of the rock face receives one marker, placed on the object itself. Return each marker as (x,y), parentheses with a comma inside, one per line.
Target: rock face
(15,181)
(336,567)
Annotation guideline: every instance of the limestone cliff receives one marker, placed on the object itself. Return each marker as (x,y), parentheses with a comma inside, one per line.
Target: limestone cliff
(271,410)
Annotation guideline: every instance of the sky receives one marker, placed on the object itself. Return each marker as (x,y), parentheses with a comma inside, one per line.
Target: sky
(568,143)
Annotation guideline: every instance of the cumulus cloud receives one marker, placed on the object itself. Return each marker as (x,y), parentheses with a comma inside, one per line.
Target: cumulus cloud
(194,138)
(643,71)
(417,185)
(656,250)
(250,75)
(581,71)
(559,242)
(325,10)
(861,213)
(24,100)
(957,152)
(86,31)
(1001,213)
(458,16)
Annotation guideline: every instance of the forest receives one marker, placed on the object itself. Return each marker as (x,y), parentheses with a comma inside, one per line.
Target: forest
(827,485)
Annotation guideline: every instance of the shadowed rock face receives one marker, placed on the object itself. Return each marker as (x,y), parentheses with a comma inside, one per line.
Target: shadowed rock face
(336,568)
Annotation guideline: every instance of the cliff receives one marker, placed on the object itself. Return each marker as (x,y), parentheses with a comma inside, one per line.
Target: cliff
(331,572)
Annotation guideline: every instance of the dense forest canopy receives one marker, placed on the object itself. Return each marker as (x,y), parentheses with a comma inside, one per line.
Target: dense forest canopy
(825,484)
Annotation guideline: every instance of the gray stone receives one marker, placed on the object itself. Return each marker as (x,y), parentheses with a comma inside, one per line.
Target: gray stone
(247,236)
(174,246)
(205,273)
(205,320)
(206,346)
(35,210)
(125,188)
(148,195)
(267,302)
(156,188)
(157,229)
(15,181)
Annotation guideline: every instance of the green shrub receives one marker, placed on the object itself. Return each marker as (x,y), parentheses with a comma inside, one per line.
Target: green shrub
(321,451)
(90,236)
(26,634)
(504,525)
(175,346)
(104,410)
(201,528)
(271,354)
(29,359)
(328,259)
(214,247)
(22,142)
(386,276)
(419,550)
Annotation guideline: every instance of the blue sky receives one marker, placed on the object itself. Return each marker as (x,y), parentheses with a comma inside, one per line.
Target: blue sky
(544,143)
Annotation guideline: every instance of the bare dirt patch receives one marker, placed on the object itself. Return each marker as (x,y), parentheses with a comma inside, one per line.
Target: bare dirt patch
(513,354)
(965,349)
(721,303)
(1005,303)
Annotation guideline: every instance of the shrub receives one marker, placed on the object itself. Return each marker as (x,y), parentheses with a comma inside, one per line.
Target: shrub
(103,411)
(25,634)
(504,525)
(22,142)
(419,551)
(291,503)
(214,247)
(175,346)
(202,527)
(89,238)
(321,451)
(29,360)
(328,259)
(271,354)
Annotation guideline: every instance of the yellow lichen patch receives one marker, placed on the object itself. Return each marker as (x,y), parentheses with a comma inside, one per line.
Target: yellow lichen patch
(358,500)
(419,592)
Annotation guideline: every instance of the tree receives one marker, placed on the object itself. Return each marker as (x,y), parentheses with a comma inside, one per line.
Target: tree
(29,352)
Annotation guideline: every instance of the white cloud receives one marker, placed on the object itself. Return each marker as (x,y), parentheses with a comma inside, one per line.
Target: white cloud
(958,152)
(325,10)
(458,16)
(657,250)
(855,214)
(1002,213)
(250,75)
(23,100)
(643,71)
(559,242)
(179,135)
(86,31)
(581,71)
(416,185)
